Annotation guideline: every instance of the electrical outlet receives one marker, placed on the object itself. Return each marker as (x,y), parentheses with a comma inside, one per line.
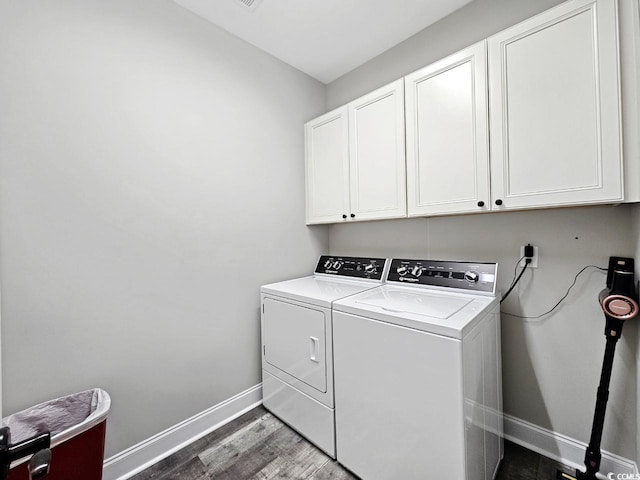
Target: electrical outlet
(534,259)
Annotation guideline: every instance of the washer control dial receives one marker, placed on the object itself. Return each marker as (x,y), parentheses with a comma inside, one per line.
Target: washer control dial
(416,271)
(370,268)
(337,265)
(402,270)
(471,276)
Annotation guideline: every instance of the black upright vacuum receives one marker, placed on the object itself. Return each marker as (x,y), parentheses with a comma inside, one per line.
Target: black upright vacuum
(619,304)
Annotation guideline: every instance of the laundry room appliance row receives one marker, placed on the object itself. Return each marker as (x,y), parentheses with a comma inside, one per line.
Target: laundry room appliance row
(390,366)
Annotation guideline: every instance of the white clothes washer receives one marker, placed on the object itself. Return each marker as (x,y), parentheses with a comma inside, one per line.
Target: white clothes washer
(418,374)
(297,343)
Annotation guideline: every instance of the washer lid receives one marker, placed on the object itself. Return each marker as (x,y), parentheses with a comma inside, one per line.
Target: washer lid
(320,291)
(439,312)
(423,303)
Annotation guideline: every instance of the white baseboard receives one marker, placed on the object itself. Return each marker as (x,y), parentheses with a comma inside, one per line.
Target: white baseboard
(561,448)
(135,459)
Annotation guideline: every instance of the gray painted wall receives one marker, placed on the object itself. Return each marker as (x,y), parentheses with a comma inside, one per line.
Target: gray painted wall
(551,366)
(152,177)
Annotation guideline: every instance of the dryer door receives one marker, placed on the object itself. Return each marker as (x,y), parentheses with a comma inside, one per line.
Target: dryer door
(294,340)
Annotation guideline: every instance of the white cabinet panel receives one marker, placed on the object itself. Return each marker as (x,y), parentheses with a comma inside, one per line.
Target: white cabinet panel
(545,95)
(447,135)
(327,167)
(555,108)
(376,141)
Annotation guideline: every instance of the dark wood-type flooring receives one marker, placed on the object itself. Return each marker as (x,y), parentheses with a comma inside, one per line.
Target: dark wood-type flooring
(259,446)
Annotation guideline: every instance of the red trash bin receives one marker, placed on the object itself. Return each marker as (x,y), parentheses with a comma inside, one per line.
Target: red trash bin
(77,424)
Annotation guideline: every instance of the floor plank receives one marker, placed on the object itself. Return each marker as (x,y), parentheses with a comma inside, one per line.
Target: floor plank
(249,462)
(228,449)
(303,461)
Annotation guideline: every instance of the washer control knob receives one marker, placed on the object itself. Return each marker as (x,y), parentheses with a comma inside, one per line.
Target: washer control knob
(337,265)
(471,276)
(370,268)
(402,270)
(416,271)
(328,263)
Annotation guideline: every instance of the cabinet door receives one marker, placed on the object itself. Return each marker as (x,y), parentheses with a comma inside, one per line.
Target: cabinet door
(447,135)
(555,108)
(327,167)
(376,146)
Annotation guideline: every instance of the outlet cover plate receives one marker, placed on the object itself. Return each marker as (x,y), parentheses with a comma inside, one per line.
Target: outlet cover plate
(534,260)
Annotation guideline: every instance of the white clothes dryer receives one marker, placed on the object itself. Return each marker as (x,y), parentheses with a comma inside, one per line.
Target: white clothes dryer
(418,374)
(297,343)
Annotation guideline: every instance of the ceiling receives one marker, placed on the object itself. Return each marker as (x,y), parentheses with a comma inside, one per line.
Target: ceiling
(323,38)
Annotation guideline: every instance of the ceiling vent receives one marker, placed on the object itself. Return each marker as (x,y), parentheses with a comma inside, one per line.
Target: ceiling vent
(248,5)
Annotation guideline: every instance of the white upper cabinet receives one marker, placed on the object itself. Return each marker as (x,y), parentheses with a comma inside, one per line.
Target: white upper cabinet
(555,108)
(530,118)
(355,164)
(327,167)
(377,159)
(447,135)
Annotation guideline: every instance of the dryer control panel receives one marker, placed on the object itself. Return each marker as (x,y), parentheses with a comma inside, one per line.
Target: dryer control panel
(353,267)
(471,276)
